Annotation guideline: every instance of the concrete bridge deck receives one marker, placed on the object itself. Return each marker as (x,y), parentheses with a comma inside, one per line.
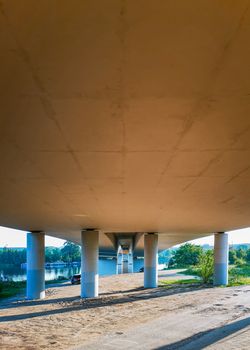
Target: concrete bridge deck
(125,116)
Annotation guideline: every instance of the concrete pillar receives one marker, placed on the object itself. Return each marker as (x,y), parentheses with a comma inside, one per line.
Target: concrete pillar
(89,264)
(220,259)
(35,266)
(119,263)
(125,255)
(130,262)
(150,260)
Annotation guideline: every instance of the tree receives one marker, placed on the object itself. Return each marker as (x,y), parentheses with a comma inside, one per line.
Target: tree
(70,252)
(52,254)
(164,256)
(241,254)
(232,257)
(171,263)
(188,254)
(206,266)
(248,255)
(12,256)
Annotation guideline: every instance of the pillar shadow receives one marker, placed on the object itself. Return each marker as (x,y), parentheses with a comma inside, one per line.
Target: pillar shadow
(122,291)
(203,339)
(76,303)
(21,303)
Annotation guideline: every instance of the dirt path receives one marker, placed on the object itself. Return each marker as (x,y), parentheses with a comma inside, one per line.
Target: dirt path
(124,312)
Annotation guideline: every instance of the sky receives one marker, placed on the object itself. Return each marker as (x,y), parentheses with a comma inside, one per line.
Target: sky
(16,238)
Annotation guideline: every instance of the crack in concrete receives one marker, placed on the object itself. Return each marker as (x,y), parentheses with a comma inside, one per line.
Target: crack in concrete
(208,97)
(43,96)
(227,200)
(238,174)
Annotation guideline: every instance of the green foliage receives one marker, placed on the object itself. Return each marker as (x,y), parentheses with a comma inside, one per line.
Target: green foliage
(239,274)
(243,271)
(206,266)
(12,256)
(8,289)
(171,263)
(70,252)
(204,269)
(232,256)
(52,254)
(178,282)
(241,254)
(248,255)
(240,262)
(164,256)
(238,280)
(188,254)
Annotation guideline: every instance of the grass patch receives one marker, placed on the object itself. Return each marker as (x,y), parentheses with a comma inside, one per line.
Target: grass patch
(9,289)
(167,283)
(243,270)
(238,281)
(238,275)
(234,281)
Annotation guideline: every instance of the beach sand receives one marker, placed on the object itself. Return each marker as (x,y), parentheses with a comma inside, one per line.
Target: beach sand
(65,321)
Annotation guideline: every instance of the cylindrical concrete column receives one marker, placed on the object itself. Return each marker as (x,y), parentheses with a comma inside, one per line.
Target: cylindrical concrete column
(220,259)
(35,266)
(89,264)
(150,260)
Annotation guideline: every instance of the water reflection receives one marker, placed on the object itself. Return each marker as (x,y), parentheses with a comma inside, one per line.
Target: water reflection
(106,267)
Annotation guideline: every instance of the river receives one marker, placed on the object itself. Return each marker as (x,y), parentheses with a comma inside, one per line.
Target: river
(106,267)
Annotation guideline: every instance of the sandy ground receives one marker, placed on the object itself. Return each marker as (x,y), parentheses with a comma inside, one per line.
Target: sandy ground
(129,317)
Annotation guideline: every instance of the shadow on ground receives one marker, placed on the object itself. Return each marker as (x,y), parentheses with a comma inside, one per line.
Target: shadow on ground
(203,339)
(70,304)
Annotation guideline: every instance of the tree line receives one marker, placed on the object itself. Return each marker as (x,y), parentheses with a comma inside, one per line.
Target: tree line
(185,256)
(68,253)
(190,255)
(200,262)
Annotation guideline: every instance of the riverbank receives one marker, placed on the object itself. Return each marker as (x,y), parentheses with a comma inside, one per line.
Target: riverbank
(124,315)
(106,267)
(9,288)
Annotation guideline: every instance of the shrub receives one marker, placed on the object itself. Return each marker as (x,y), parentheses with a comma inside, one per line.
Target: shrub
(171,262)
(232,256)
(8,289)
(187,255)
(240,262)
(206,266)
(248,255)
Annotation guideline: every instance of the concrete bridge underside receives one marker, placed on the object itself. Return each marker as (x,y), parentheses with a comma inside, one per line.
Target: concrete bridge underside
(125,116)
